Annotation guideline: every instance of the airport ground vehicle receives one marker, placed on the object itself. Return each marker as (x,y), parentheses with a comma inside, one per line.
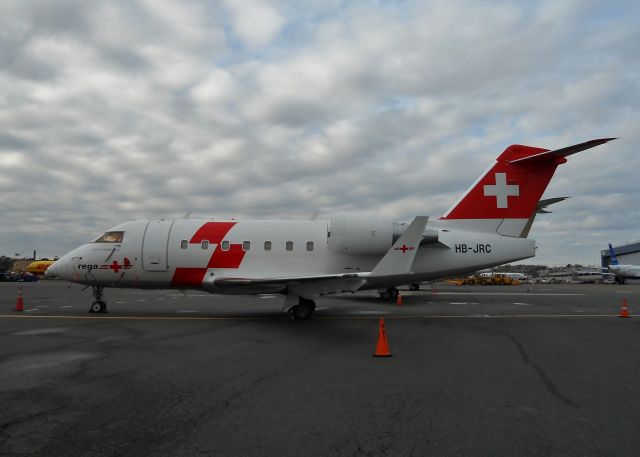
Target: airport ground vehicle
(494,279)
(18,277)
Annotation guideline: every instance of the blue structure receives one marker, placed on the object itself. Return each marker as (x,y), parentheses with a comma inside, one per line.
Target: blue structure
(627,254)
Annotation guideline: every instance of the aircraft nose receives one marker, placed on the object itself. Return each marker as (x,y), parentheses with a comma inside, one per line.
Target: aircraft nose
(62,269)
(51,271)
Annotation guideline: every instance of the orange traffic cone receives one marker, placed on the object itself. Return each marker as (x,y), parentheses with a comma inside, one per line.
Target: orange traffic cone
(399,300)
(624,312)
(382,348)
(19,302)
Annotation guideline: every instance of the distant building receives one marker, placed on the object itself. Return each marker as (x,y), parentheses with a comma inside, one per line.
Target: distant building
(574,274)
(5,264)
(20,265)
(627,254)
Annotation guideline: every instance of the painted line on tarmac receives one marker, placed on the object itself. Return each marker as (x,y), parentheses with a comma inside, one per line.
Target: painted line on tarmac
(284,317)
(531,294)
(150,318)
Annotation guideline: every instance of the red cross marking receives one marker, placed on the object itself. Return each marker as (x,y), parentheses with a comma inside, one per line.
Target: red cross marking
(115,266)
(404,248)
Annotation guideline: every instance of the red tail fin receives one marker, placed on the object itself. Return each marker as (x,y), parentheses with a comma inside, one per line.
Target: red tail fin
(507,190)
(512,187)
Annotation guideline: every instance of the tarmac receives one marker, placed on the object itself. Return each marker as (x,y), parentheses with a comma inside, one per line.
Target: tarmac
(539,370)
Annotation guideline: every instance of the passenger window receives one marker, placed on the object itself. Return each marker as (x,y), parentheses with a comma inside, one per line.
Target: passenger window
(267,245)
(225,245)
(184,244)
(309,245)
(289,245)
(246,245)
(204,244)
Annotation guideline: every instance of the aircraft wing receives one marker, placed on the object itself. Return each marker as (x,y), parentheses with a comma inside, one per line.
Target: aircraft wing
(311,286)
(229,281)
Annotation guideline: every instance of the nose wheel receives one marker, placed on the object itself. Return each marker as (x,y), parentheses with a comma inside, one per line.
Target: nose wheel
(98,306)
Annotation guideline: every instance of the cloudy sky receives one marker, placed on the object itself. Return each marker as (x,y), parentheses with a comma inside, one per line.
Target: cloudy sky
(112,111)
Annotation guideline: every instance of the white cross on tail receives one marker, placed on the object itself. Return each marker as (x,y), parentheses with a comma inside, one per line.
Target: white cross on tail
(501,190)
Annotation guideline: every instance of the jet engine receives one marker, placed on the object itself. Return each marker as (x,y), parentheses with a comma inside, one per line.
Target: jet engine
(367,235)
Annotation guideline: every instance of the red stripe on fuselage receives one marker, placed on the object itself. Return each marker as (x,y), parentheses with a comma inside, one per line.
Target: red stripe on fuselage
(227,259)
(188,277)
(214,232)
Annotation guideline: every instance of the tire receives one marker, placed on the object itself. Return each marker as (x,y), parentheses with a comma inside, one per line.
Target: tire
(97,307)
(304,310)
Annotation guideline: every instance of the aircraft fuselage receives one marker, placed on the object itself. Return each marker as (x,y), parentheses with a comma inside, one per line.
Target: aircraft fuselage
(189,253)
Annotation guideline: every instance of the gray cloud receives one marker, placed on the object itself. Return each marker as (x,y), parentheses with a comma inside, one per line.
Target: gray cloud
(118,110)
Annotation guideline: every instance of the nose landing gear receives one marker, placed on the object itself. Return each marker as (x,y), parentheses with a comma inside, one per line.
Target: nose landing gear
(98,306)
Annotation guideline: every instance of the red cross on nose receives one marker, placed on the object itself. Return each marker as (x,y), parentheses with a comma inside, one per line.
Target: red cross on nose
(115,266)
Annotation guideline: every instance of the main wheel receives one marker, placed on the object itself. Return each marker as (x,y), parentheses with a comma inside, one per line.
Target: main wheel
(96,307)
(304,310)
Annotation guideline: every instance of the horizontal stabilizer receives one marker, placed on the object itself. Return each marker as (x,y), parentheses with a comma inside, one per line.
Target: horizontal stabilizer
(542,204)
(563,152)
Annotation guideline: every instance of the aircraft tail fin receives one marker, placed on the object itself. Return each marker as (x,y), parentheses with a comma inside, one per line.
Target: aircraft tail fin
(612,255)
(506,196)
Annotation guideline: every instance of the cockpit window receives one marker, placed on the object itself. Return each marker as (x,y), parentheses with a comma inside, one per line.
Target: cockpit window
(111,237)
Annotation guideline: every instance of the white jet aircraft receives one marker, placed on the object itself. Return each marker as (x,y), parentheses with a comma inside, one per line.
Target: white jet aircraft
(304,260)
(622,272)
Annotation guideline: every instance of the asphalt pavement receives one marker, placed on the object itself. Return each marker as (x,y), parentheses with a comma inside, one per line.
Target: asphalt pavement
(542,370)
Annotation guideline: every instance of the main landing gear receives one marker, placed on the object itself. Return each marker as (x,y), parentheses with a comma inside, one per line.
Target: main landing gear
(98,306)
(389,294)
(303,310)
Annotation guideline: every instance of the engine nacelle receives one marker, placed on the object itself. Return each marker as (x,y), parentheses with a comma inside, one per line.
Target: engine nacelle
(369,235)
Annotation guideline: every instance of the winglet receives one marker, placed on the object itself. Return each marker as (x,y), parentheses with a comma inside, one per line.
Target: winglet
(399,259)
